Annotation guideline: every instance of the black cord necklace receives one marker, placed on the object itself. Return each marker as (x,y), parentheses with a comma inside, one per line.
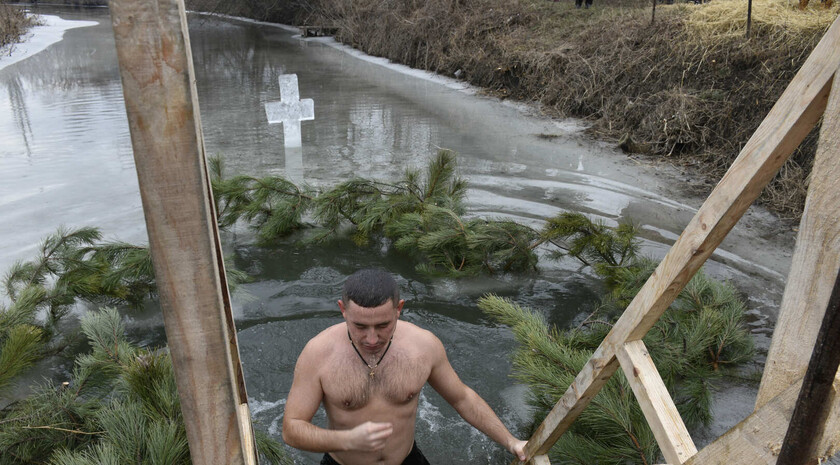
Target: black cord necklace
(375,365)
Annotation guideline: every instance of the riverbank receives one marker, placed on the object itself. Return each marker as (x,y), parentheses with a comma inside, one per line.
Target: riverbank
(14,22)
(688,88)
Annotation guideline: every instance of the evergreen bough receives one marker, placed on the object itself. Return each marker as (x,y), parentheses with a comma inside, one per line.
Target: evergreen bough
(701,332)
(422,215)
(120,406)
(70,265)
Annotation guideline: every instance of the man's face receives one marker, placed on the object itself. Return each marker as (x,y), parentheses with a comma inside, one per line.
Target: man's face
(371,327)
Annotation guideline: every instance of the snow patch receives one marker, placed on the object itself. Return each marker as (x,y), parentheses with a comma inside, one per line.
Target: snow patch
(39,38)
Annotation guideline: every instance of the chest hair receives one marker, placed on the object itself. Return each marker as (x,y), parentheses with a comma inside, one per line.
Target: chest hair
(398,380)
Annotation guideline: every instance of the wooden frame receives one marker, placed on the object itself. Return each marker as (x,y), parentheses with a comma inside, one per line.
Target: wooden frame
(789,121)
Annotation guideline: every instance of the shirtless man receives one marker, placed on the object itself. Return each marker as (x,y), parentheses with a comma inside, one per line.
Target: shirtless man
(368,372)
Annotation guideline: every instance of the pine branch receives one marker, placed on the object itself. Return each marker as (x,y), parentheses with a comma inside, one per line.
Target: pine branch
(62,242)
(120,406)
(20,347)
(687,344)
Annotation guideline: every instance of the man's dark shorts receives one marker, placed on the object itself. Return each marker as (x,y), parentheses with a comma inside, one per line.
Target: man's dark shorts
(415,457)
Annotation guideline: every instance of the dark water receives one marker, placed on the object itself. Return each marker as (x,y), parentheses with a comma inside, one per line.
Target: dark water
(65,158)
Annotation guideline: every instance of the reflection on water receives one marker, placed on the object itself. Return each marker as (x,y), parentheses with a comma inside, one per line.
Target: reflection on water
(65,158)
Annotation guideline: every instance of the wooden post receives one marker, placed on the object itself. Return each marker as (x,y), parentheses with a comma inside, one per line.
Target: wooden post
(162,107)
(816,259)
(813,405)
(749,17)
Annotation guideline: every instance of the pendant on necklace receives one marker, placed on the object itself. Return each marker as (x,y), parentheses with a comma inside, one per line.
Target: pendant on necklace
(376,365)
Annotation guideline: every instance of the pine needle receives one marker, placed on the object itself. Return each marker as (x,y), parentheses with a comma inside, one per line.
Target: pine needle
(20,347)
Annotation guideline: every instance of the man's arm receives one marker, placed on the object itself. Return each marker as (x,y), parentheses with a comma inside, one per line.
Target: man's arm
(304,398)
(468,404)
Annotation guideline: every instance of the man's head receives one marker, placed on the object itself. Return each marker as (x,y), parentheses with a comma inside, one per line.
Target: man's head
(370,288)
(371,306)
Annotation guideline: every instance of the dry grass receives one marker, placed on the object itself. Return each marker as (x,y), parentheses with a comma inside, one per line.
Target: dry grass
(689,86)
(781,19)
(13,24)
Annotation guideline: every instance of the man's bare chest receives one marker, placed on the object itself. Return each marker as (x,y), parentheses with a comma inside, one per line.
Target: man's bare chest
(348,383)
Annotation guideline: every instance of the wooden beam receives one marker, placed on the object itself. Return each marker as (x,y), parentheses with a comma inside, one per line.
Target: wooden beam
(803,436)
(659,409)
(248,434)
(789,121)
(816,259)
(540,460)
(162,107)
(755,441)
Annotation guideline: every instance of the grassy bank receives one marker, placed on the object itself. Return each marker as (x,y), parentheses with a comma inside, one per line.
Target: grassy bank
(13,24)
(687,88)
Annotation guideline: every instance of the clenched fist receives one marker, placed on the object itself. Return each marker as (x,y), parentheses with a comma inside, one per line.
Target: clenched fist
(369,436)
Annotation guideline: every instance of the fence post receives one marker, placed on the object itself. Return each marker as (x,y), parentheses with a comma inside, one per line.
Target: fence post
(162,107)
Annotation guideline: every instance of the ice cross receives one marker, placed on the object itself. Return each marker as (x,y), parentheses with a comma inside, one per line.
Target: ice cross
(290,110)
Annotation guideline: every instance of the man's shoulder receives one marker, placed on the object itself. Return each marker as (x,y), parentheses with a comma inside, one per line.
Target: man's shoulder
(324,342)
(419,336)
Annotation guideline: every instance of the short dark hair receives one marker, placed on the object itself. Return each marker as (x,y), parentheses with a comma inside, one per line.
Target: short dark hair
(370,288)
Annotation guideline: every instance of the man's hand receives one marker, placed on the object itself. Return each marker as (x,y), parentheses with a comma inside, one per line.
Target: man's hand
(517,448)
(369,436)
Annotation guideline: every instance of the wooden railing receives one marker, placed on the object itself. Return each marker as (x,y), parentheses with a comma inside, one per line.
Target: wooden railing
(818,249)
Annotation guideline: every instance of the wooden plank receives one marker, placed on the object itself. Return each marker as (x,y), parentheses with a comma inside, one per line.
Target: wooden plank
(245,425)
(162,108)
(233,340)
(659,409)
(786,125)
(540,460)
(810,414)
(788,122)
(816,259)
(755,441)
(830,439)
